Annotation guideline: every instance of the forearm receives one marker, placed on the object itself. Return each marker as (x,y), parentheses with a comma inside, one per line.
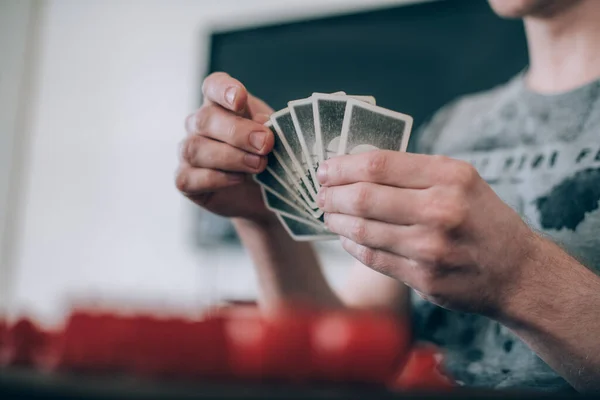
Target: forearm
(288,271)
(557,313)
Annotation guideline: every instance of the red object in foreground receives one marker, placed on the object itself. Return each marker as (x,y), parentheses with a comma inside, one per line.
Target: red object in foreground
(92,341)
(100,342)
(177,348)
(3,329)
(289,355)
(264,348)
(358,347)
(238,342)
(422,371)
(23,343)
(247,342)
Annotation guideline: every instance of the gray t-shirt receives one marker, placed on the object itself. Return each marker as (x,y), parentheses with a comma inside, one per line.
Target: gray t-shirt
(541,155)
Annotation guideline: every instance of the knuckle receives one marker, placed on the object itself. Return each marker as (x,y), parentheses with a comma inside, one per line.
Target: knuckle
(462,174)
(361,198)
(366,255)
(358,231)
(432,249)
(446,210)
(234,129)
(445,217)
(210,179)
(182,181)
(203,116)
(189,148)
(193,150)
(441,160)
(335,169)
(376,163)
(457,208)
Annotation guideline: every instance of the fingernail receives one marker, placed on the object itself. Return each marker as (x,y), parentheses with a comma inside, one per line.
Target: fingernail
(321,197)
(251,160)
(190,124)
(325,218)
(230,94)
(257,139)
(322,173)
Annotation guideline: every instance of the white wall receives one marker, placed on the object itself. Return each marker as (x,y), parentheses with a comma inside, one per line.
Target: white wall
(15,17)
(100,214)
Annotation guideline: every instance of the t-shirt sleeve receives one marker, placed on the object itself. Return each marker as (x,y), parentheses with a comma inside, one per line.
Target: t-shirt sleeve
(430,131)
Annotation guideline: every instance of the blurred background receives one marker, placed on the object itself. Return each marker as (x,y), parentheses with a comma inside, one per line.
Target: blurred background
(93,95)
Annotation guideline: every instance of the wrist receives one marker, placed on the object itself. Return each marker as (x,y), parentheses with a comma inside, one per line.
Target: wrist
(549,288)
(526,286)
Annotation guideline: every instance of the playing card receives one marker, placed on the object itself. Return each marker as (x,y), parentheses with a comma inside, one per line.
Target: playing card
(366,99)
(302,116)
(368,127)
(275,178)
(302,231)
(279,192)
(278,165)
(279,204)
(288,137)
(328,111)
(304,124)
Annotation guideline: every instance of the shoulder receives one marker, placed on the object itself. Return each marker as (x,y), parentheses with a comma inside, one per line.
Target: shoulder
(460,113)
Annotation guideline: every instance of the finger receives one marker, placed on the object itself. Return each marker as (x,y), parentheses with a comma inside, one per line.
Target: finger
(215,122)
(408,271)
(370,233)
(258,108)
(380,260)
(393,168)
(222,89)
(192,181)
(379,202)
(414,242)
(261,118)
(202,152)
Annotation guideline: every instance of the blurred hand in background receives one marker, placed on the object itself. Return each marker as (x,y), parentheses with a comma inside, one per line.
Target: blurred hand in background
(226,143)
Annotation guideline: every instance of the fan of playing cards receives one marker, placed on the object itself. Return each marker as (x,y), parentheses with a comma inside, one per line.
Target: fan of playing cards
(308,132)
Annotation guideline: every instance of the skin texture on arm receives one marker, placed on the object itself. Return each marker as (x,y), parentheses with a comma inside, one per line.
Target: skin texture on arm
(558,315)
(288,271)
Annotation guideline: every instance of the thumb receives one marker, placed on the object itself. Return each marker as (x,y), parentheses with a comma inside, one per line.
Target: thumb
(261,118)
(258,110)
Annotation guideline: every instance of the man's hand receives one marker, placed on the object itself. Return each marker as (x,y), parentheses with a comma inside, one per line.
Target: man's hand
(431,222)
(226,143)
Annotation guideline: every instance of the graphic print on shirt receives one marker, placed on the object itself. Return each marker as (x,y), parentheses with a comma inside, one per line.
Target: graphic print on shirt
(562,202)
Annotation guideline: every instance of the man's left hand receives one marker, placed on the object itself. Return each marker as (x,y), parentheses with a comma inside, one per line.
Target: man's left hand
(431,222)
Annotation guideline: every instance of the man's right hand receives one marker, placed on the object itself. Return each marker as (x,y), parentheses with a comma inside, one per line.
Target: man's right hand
(226,143)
